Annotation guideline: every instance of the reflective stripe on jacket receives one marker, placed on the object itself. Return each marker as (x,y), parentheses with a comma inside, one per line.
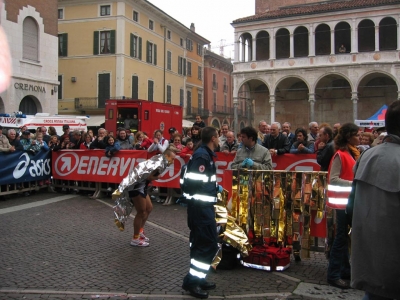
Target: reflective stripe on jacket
(338,195)
(200,180)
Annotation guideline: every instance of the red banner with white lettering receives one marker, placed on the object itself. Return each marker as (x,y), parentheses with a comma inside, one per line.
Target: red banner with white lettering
(94,166)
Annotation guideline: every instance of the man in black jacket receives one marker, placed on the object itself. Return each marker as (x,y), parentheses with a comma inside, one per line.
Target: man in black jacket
(275,141)
(326,148)
(98,143)
(200,191)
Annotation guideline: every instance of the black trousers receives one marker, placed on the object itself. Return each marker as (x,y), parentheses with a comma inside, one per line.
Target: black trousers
(203,242)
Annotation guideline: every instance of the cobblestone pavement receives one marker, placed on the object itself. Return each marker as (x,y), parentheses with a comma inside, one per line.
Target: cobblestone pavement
(58,246)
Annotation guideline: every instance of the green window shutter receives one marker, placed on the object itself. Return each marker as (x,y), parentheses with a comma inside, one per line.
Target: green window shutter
(150,90)
(96,43)
(179,65)
(112,41)
(65,44)
(131,46)
(147,51)
(135,87)
(140,48)
(155,54)
(184,67)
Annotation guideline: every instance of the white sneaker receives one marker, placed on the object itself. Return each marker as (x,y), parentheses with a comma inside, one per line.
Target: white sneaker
(139,243)
(143,237)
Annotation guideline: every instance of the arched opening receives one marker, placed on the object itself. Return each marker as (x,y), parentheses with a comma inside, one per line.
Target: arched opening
(242,125)
(245,47)
(28,105)
(215,123)
(30,40)
(375,90)
(257,93)
(262,45)
(301,42)
(366,36)
(292,105)
(282,43)
(342,38)
(332,100)
(323,40)
(387,34)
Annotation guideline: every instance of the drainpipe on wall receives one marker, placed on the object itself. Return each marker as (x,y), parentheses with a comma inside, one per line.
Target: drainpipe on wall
(165,60)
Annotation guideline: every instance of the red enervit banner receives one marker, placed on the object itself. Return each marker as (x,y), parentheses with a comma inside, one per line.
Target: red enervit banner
(94,166)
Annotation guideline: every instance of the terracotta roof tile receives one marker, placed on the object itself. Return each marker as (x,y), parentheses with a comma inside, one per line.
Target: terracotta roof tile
(315,9)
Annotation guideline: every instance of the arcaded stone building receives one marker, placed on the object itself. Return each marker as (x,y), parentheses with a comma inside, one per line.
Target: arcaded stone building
(331,61)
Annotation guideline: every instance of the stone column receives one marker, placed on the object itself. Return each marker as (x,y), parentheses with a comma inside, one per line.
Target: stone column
(272,45)
(311,41)
(253,56)
(311,99)
(398,95)
(354,38)
(333,42)
(249,110)
(354,99)
(235,115)
(398,35)
(249,42)
(272,103)
(243,50)
(376,38)
(291,46)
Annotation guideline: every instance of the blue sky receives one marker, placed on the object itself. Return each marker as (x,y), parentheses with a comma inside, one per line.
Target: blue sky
(212,18)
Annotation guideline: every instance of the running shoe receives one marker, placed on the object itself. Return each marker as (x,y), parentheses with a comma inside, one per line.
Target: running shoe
(143,237)
(139,243)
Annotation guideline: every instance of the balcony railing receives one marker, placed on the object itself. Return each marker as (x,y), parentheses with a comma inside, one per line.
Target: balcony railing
(204,113)
(86,102)
(220,109)
(214,85)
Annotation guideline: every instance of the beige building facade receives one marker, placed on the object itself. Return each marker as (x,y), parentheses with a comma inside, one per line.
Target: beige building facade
(125,49)
(333,61)
(31,29)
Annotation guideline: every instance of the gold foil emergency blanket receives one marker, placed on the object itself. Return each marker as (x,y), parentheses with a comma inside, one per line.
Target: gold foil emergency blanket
(123,205)
(278,204)
(233,234)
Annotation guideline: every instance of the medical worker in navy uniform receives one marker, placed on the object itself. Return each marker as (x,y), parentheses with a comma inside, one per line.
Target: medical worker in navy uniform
(200,191)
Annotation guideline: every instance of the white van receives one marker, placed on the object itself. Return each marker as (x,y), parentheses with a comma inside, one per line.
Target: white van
(32,122)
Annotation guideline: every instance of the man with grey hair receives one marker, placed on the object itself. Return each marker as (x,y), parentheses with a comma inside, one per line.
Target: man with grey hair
(14,142)
(313,135)
(263,130)
(98,143)
(286,127)
(275,141)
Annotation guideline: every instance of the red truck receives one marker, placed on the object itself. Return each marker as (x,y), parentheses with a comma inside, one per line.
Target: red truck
(142,115)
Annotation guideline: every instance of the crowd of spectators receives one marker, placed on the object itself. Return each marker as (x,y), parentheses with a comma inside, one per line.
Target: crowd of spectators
(278,139)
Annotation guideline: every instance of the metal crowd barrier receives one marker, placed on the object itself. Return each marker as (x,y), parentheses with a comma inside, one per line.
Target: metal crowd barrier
(16,188)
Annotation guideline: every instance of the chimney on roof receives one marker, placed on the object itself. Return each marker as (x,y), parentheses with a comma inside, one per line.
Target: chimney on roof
(192,28)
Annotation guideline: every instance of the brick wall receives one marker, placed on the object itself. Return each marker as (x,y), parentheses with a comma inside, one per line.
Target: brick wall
(265,5)
(46,8)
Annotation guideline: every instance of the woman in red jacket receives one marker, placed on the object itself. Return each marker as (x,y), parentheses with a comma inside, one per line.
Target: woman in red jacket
(142,142)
